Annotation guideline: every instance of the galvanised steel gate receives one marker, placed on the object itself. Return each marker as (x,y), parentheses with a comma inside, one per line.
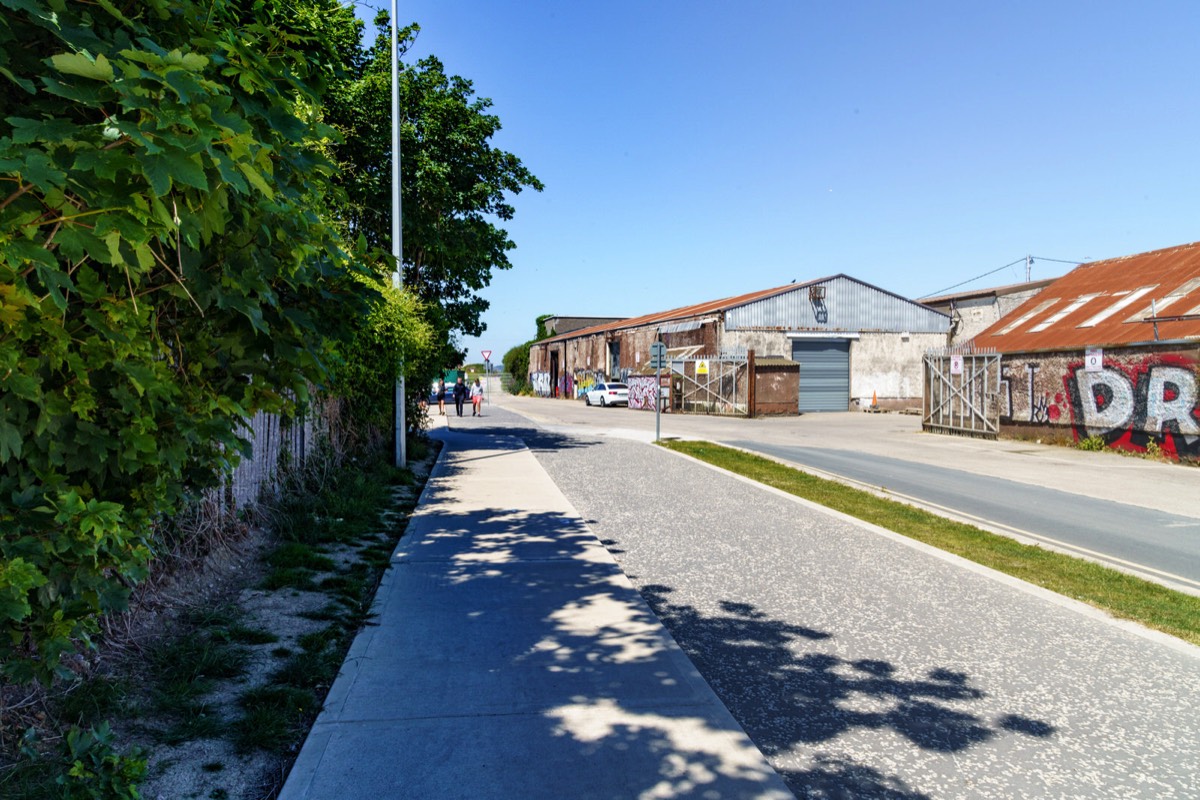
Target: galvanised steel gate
(711,384)
(962,393)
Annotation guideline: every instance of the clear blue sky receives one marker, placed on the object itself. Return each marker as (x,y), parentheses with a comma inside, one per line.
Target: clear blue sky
(697,150)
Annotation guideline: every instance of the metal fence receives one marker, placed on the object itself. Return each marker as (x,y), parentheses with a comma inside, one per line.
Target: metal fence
(272,439)
(961,392)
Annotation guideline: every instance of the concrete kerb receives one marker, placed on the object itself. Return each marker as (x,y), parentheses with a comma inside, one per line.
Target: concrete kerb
(1057,599)
(579,692)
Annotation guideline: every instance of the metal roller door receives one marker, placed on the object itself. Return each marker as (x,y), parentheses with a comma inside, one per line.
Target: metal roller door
(824,373)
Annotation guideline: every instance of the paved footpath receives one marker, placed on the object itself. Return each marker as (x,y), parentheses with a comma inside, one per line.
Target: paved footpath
(866,665)
(513,659)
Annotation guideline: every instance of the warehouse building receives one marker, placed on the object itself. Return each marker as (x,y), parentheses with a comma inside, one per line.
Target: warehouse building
(854,343)
(1109,352)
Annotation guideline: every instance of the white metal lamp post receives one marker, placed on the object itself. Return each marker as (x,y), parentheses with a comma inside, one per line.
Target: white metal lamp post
(401,445)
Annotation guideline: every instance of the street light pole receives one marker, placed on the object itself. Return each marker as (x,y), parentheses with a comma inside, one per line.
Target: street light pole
(401,444)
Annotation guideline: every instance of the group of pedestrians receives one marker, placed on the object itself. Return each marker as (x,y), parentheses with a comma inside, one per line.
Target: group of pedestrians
(459,393)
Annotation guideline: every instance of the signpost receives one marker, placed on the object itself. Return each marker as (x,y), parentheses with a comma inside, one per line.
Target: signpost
(487,371)
(658,360)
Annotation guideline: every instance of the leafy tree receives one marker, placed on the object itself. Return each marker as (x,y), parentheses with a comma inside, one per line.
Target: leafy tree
(165,272)
(516,360)
(455,184)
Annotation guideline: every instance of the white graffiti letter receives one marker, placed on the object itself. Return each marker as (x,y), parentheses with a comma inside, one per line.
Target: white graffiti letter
(1171,398)
(1106,399)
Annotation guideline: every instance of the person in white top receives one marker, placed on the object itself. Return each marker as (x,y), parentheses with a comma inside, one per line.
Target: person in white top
(476,399)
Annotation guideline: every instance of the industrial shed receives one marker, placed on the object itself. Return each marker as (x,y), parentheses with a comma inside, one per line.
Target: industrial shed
(1109,351)
(854,342)
(973,312)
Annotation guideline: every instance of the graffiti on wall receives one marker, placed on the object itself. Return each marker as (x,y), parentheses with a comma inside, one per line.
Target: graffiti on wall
(1130,402)
(540,381)
(566,385)
(643,391)
(584,380)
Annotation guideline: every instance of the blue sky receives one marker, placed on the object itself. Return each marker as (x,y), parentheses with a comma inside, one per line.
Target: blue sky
(697,150)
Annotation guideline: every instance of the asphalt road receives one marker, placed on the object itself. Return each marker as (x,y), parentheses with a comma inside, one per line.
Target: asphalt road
(1155,543)
(866,666)
(1129,513)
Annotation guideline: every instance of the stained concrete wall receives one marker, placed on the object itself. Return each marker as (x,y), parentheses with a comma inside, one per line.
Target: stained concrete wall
(763,343)
(1141,396)
(890,367)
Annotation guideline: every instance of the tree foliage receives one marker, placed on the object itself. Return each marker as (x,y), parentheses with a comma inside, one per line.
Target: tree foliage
(165,272)
(190,232)
(455,183)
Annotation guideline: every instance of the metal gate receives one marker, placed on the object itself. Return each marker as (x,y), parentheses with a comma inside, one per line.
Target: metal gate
(962,391)
(711,385)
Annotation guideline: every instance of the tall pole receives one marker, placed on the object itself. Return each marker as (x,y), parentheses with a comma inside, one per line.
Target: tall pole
(401,445)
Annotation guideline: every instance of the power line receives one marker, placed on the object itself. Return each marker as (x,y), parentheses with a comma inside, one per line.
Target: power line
(1027,259)
(1057,260)
(972,280)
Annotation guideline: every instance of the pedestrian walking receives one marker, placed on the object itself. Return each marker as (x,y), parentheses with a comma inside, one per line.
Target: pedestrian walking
(442,397)
(460,395)
(476,399)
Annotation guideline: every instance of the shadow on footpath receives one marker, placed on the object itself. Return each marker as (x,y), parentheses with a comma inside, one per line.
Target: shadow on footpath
(783,698)
(521,623)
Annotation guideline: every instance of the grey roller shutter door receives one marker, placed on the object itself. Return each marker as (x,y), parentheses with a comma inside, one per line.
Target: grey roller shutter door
(824,373)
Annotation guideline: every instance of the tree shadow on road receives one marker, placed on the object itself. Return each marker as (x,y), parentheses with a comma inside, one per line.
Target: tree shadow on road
(785,697)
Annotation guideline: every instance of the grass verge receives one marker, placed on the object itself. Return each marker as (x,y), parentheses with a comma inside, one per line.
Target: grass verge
(1121,595)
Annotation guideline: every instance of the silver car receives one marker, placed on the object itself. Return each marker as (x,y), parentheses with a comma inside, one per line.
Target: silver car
(607,394)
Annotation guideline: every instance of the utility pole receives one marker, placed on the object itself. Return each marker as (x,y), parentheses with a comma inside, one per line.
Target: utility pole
(401,443)
(1028,268)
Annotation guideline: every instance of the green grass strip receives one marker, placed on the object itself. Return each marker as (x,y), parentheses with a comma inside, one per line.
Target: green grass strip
(1117,593)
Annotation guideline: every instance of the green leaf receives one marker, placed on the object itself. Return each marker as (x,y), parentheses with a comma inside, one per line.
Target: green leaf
(83,65)
(256,179)
(10,442)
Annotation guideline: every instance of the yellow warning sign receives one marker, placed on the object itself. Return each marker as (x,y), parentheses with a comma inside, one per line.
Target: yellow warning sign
(702,367)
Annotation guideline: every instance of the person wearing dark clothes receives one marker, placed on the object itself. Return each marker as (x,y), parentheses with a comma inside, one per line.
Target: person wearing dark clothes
(442,397)
(460,395)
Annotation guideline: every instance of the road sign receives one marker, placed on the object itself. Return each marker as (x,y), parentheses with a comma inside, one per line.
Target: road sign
(487,355)
(658,363)
(658,350)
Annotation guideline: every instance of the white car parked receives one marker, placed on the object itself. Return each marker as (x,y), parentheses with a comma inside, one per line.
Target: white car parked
(607,394)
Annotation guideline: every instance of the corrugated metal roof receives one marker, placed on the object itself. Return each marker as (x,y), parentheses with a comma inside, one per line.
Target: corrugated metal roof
(1108,303)
(683,312)
(994,291)
(845,304)
(855,300)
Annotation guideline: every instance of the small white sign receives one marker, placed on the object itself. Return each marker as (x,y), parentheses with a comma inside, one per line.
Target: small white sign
(956,365)
(1093,360)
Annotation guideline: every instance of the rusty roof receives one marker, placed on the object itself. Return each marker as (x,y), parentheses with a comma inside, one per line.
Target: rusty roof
(1108,303)
(684,312)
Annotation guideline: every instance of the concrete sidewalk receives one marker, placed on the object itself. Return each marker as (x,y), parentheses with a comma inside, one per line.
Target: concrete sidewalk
(513,659)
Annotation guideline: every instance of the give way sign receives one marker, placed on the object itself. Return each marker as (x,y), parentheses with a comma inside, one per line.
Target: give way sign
(487,355)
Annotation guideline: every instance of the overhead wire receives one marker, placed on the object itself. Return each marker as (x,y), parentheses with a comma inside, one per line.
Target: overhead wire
(1030,259)
(972,280)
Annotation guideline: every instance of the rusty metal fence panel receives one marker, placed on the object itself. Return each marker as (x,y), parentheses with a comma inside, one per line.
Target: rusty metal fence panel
(962,393)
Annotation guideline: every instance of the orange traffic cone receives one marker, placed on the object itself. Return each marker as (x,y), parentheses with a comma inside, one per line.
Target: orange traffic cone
(874,400)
